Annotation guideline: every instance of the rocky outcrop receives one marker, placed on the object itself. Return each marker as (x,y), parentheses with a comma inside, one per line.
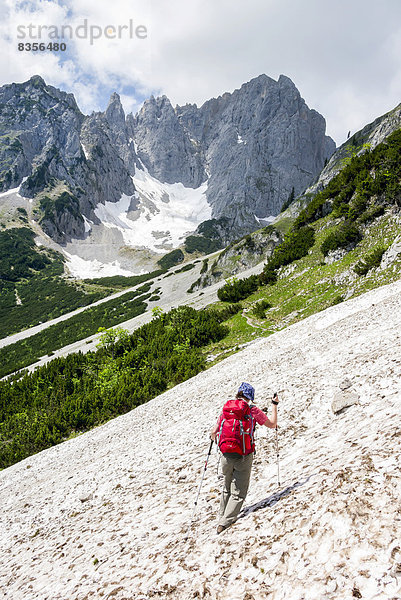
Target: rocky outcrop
(392,254)
(122,131)
(368,137)
(49,143)
(108,174)
(238,257)
(344,398)
(37,122)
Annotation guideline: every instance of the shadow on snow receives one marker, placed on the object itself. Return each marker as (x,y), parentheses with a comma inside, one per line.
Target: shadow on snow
(273,499)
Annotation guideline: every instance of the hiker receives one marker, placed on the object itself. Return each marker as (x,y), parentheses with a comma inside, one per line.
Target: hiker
(233,434)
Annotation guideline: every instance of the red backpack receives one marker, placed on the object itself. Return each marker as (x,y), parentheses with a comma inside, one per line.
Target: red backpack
(236,428)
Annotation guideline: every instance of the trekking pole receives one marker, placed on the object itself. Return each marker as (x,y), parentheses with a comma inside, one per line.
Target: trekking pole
(278,458)
(201,482)
(218,464)
(277,448)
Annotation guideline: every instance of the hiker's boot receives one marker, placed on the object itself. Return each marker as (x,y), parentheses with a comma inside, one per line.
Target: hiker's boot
(221,528)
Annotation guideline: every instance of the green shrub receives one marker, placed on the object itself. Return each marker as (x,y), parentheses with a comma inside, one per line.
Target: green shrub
(119,281)
(269,275)
(208,237)
(249,242)
(19,256)
(371,213)
(229,311)
(356,207)
(371,261)
(186,267)
(79,391)
(346,234)
(259,309)
(25,352)
(204,266)
(171,259)
(341,201)
(376,172)
(296,244)
(289,201)
(200,243)
(238,289)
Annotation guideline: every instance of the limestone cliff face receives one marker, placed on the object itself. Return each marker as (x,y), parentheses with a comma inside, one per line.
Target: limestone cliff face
(262,141)
(255,144)
(252,147)
(49,147)
(165,147)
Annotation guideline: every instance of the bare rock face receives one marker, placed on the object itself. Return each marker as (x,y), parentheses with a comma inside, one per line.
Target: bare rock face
(122,134)
(392,253)
(268,142)
(51,147)
(36,122)
(165,147)
(256,144)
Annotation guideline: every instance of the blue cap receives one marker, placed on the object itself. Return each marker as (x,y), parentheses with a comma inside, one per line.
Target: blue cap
(247,390)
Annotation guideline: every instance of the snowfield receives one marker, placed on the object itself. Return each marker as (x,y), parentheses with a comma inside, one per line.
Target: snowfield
(165,213)
(88,269)
(105,515)
(133,233)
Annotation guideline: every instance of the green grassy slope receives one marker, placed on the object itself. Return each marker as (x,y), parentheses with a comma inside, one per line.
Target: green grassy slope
(343,258)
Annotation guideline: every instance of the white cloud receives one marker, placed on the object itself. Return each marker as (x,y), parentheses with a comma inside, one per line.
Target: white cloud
(343,56)
(91,69)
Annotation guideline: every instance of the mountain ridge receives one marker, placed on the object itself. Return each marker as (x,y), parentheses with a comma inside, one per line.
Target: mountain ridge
(68,163)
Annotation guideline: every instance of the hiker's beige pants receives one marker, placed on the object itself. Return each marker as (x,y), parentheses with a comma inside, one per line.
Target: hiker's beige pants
(237,472)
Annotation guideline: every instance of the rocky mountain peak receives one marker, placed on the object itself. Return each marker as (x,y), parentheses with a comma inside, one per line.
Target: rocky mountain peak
(164,146)
(285,81)
(156,108)
(259,142)
(37,81)
(115,112)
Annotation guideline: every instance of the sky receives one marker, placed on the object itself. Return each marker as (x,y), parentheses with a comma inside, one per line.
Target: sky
(343,56)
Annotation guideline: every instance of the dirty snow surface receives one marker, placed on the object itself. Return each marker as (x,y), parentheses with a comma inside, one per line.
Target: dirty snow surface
(106,515)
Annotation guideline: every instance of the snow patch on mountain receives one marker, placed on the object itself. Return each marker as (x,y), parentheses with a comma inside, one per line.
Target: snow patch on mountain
(88,224)
(15,190)
(87,269)
(159,215)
